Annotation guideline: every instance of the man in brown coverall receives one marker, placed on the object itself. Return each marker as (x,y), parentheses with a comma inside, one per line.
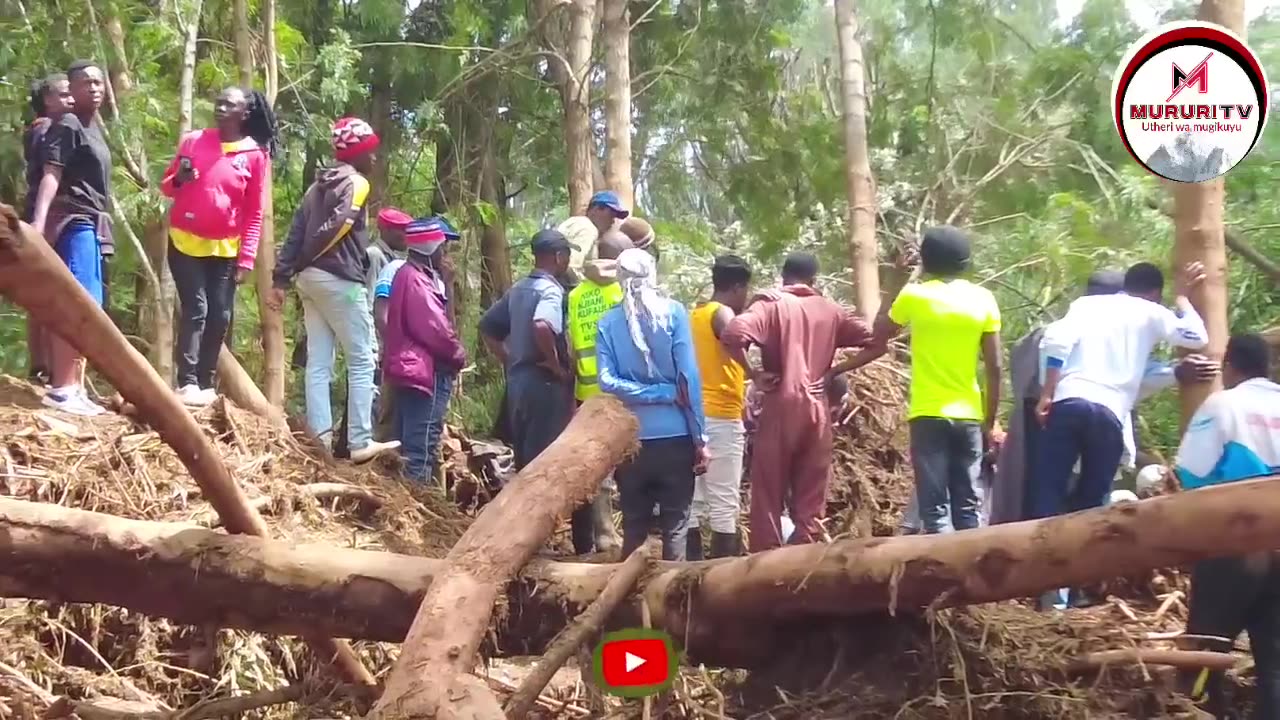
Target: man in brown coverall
(798,333)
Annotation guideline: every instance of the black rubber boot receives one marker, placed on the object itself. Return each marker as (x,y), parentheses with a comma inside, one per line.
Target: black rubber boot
(725,545)
(693,544)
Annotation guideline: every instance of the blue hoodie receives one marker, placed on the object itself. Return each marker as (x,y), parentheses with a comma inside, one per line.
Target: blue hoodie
(652,395)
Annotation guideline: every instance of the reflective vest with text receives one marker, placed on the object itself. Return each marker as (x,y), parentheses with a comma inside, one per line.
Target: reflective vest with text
(587,304)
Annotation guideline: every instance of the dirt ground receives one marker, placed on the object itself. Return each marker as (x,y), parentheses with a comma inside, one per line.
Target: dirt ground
(995,661)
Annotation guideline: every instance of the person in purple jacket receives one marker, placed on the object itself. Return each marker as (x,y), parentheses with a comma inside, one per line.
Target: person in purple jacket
(423,354)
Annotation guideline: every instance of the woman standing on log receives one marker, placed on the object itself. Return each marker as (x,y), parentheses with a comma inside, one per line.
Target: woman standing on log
(216,183)
(423,353)
(50,100)
(71,210)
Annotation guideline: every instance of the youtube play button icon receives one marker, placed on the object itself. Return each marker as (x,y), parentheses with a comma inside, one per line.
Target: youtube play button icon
(635,662)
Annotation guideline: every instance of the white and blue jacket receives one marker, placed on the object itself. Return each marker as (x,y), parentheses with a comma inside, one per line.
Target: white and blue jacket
(1235,435)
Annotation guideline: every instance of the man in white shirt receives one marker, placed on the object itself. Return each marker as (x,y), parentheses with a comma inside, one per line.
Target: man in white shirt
(1235,435)
(1096,357)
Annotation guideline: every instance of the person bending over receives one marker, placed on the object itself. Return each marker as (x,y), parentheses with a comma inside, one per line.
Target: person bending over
(1234,436)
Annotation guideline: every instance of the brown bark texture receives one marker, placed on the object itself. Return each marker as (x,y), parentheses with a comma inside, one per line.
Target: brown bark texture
(244,42)
(235,383)
(1200,236)
(271,320)
(575,97)
(617,100)
(196,576)
(860,222)
(32,276)
(442,644)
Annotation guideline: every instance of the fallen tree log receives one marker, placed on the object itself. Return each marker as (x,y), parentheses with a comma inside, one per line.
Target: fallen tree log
(32,276)
(1193,659)
(583,627)
(730,612)
(432,677)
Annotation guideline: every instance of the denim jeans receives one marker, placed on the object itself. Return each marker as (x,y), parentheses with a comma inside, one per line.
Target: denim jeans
(420,422)
(207,293)
(661,473)
(717,495)
(336,312)
(1077,430)
(946,456)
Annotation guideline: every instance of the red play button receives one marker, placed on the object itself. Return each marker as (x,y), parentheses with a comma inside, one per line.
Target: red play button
(635,662)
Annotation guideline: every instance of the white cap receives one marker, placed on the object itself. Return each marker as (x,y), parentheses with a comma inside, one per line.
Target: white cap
(1119,496)
(1150,477)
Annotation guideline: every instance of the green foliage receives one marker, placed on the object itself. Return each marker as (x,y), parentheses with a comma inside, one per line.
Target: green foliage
(992,114)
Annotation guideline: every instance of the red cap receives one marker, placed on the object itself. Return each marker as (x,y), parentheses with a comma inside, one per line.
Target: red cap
(393,218)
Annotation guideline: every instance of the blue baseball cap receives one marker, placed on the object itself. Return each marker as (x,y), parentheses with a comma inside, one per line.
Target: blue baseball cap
(450,233)
(609,199)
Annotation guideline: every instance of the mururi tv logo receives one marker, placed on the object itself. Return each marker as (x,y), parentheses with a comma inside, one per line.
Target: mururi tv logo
(1190,101)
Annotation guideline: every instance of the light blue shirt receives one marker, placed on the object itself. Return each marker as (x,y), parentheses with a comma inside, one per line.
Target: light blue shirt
(651,393)
(1235,435)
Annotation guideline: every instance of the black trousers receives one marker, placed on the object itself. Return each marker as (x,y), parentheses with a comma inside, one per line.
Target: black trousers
(207,293)
(1233,595)
(662,474)
(537,410)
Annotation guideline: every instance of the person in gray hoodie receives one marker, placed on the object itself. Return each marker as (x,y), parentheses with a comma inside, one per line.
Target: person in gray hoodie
(326,255)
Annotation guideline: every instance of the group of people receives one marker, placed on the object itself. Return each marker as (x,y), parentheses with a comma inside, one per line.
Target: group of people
(592,317)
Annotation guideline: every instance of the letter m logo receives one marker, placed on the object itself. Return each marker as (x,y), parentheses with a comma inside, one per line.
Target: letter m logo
(1199,77)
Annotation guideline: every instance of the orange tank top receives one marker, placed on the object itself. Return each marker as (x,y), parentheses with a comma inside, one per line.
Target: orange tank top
(724,382)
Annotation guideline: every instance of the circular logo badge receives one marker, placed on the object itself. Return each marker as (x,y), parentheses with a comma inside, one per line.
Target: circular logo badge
(1190,101)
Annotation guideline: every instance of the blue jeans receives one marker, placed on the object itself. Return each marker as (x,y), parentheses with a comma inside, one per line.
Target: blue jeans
(419,423)
(79,248)
(1077,430)
(946,456)
(336,312)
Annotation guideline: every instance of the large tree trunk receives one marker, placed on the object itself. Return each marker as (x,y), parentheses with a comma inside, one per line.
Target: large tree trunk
(571,68)
(32,276)
(1199,236)
(860,223)
(431,677)
(244,42)
(617,100)
(734,612)
(272,320)
(486,149)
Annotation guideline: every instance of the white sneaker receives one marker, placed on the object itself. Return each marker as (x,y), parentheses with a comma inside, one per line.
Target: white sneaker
(373,450)
(73,400)
(208,396)
(192,396)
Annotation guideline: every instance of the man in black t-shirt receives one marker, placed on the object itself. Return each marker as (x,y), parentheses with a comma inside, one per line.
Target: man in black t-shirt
(72,212)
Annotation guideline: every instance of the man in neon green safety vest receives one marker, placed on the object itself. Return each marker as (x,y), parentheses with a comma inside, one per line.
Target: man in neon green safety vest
(596,294)
(588,302)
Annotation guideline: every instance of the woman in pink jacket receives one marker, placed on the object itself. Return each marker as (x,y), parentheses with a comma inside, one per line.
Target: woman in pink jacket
(216,182)
(423,354)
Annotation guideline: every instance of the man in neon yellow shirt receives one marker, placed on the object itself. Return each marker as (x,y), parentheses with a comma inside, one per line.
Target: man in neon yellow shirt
(952,323)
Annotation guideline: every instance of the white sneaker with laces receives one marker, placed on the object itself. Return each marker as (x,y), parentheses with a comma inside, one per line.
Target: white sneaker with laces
(73,400)
(191,396)
(373,450)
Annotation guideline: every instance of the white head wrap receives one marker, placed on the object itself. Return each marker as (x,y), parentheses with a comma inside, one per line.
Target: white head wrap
(645,306)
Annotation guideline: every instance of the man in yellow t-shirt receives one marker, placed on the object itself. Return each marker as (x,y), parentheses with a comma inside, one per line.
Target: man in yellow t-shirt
(716,494)
(953,322)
